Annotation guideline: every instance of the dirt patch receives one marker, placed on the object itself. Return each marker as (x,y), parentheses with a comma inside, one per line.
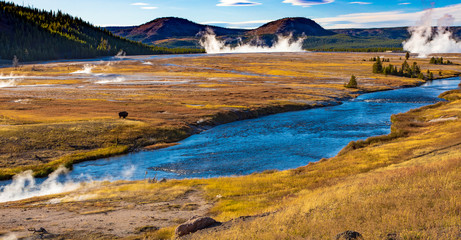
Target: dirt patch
(121,220)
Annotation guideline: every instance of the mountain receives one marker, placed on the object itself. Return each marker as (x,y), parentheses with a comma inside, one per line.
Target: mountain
(178,32)
(295,26)
(167,28)
(33,34)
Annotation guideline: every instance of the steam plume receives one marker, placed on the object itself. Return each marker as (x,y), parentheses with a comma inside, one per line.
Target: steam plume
(424,41)
(87,68)
(24,186)
(9,236)
(284,44)
(114,80)
(9,81)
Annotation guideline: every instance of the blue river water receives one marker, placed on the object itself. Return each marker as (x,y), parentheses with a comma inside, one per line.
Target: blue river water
(280,141)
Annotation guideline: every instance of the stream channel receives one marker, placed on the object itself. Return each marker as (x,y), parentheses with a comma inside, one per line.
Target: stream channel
(280,141)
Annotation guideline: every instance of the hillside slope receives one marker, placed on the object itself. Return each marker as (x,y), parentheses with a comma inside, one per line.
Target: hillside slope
(169,27)
(32,34)
(295,26)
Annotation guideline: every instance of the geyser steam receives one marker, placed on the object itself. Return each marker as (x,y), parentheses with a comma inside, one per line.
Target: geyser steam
(24,186)
(283,44)
(87,69)
(425,41)
(9,81)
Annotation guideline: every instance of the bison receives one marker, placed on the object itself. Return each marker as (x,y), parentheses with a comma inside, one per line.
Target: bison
(123,114)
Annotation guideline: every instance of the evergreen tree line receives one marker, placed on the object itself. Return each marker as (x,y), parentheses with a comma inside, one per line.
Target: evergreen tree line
(439,60)
(369,49)
(406,70)
(373,59)
(33,34)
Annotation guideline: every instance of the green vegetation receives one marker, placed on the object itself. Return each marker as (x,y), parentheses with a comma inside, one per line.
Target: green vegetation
(341,42)
(439,61)
(413,71)
(352,82)
(33,34)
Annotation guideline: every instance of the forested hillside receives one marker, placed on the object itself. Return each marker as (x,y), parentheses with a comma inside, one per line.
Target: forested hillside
(33,34)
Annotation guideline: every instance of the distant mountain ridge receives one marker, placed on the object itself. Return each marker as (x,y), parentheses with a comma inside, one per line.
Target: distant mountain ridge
(169,27)
(174,32)
(176,29)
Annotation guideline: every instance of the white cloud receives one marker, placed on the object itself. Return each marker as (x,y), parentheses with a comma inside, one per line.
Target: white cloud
(139,4)
(149,8)
(307,3)
(404,3)
(387,19)
(236,3)
(360,3)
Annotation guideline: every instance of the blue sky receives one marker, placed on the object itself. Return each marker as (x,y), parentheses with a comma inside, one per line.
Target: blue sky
(254,13)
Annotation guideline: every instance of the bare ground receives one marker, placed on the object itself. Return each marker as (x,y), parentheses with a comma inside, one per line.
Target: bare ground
(122,221)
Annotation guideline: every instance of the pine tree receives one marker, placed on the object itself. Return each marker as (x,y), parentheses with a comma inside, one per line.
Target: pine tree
(378,66)
(407,56)
(352,82)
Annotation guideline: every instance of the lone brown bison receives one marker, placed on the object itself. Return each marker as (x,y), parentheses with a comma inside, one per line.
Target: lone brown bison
(123,114)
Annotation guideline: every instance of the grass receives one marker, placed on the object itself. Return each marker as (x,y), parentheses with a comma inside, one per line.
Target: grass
(43,170)
(42,125)
(407,185)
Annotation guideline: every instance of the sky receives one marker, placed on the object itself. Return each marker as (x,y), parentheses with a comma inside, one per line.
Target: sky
(249,14)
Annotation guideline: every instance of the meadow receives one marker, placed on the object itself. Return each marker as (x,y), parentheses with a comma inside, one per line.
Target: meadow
(63,113)
(403,185)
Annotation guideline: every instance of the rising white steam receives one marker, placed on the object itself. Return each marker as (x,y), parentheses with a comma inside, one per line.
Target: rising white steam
(24,186)
(425,41)
(120,54)
(87,69)
(113,80)
(128,173)
(9,236)
(9,81)
(284,44)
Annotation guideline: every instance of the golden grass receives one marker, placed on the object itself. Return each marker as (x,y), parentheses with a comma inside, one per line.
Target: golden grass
(418,202)
(43,170)
(200,88)
(407,184)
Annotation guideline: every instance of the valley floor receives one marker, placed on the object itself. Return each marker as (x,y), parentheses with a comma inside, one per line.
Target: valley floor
(62,113)
(405,185)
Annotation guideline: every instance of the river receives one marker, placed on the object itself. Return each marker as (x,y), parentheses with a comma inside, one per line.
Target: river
(280,141)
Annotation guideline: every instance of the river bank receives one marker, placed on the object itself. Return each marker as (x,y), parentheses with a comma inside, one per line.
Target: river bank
(404,186)
(168,100)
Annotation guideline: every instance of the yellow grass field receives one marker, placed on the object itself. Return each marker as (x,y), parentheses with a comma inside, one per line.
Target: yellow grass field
(67,112)
(406,185)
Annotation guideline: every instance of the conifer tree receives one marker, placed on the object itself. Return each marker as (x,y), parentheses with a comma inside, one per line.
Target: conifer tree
(352,82)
